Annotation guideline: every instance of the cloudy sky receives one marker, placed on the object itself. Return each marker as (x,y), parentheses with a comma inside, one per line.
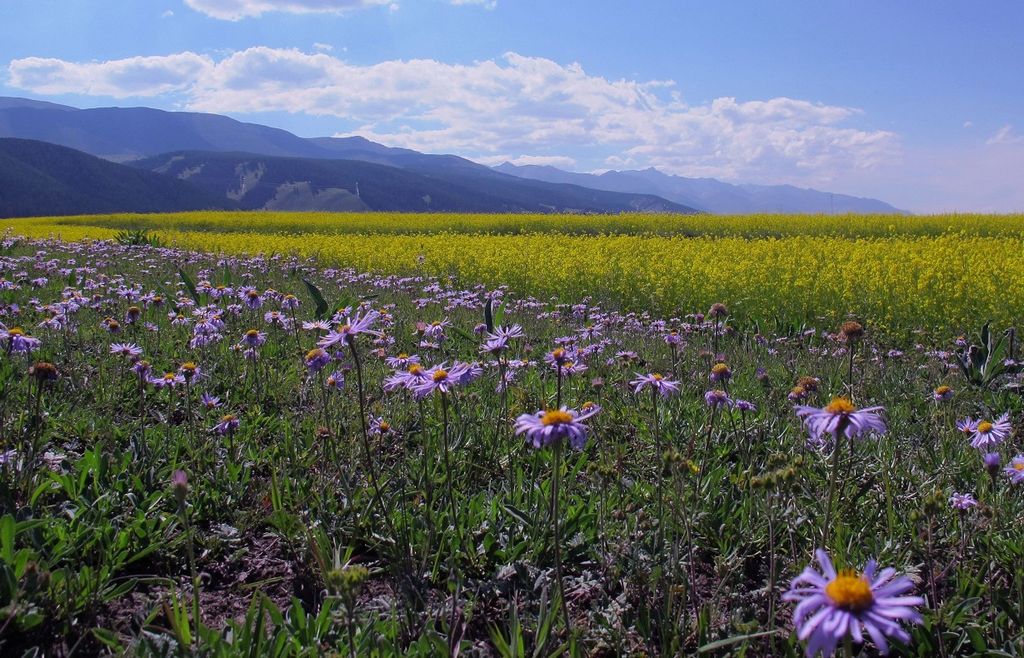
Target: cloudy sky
(918,102)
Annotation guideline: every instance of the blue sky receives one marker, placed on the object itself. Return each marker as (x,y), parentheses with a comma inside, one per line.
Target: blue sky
(918,103)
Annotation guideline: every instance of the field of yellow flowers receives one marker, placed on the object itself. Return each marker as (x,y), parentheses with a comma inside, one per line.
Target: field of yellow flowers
(942,273)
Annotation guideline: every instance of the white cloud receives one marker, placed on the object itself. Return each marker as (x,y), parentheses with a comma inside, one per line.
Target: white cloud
(486,4)
(235,10)
(560,161)
(323,47)
(122,78)
(1005,135)
(512,107)
(167,14)
(968,124)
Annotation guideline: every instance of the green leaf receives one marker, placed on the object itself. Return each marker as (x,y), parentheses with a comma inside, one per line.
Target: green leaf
(718,644)
(488,317)
(189,285)
(7,528)
(318,299)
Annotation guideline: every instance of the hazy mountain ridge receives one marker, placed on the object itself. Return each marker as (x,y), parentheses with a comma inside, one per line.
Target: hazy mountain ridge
(257,181)
(708,194)
(38,178)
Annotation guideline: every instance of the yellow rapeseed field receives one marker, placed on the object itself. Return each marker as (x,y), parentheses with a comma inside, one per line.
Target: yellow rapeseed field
(938,273)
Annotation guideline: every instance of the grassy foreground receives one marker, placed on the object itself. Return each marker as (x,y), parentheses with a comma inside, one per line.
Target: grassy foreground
(935,273)
(185,471)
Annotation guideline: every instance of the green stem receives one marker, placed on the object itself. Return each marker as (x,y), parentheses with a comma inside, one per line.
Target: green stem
(833,477)
(556,477)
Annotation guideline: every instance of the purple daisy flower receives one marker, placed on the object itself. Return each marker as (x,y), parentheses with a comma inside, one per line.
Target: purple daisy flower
(254,338)
(380,427)
(966,425)
(253,299)
(402,361)
(546,427)
(408,380)
(142,369)
(16,341)
(442,379)
(942,393)
(992,461)
(720,372)
(558,357)
(352,327)
(1016,469)
(832,605)
(745,406)
(655,382)
(841,417)
(209,401)
(167,380)
(335,380)
(316,359)
(986,433)
(717,398)
(227,425)
(130,350)
(962,501)
(190,371)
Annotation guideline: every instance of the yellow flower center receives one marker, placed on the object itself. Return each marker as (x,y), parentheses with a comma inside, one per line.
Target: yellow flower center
(656,377)
(16,331)
(253,294)
(558,354)
(228,418)
(252,333)
(984,427)
(943,390)
(168,376)
(850,591)
(840,406)
(403,355)
(344,329)
(188,366)
(1018,466)
(415,369)
(384,427)
(556,417)
(314,353)
(440,375)
(720,368)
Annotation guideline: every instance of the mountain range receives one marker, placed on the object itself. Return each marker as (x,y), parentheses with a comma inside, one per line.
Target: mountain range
(708,194)
(219,162)
(38,178)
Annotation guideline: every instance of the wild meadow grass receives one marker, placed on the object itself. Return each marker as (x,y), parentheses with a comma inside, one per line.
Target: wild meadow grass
(234,455)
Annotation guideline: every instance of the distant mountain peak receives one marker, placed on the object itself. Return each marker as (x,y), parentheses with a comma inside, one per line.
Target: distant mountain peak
(709,194)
